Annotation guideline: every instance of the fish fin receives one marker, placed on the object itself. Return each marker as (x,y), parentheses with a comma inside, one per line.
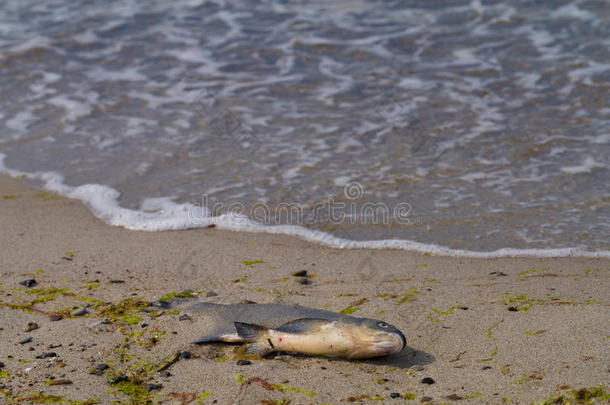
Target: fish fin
(248,331)
(258,349)
(303,325)
(230,338)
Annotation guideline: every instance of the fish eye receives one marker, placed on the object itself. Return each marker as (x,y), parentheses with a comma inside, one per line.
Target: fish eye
(382,325)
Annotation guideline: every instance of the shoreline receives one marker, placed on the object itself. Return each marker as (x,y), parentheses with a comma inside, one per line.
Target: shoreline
(102,203)
(522,329)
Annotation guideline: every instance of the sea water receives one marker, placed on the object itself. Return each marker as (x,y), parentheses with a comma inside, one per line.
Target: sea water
(476,128)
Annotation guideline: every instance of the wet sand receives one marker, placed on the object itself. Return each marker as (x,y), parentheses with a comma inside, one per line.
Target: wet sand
(516,330)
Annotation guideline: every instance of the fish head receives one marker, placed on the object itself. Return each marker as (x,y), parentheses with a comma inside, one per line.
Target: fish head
(373,338)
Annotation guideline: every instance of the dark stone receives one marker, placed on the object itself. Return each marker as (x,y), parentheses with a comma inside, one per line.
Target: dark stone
(26,340)
(186,355)
(119,379)
(28,283)
(394,395)
(426,399)
(1,364)
(300,273)
(463,308)
(427,380)
(211,293)
(166,374)
(184,317)
(151,387)
(486,368)
(497,273)
(116,281)
(46,355)
(243,362)
(55,317)
(99,369)
(143,324)
(512,309)
(304,281)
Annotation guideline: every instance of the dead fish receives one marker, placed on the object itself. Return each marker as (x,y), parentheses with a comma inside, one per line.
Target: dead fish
(291,328)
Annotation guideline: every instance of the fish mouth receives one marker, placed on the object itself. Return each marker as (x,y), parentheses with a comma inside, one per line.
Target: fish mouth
(388,343)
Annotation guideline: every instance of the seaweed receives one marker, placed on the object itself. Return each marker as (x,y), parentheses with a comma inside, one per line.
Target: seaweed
(202,397)
(538,332)
(38,398)
(125,312)
(580,396)
(537,376)
(283,388)
(348,310)
(252,262)
(184,294)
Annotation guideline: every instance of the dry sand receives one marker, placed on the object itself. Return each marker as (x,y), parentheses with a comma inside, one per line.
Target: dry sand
(485,331)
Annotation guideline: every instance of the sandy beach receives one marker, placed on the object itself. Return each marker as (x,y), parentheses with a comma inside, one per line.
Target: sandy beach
(511,330)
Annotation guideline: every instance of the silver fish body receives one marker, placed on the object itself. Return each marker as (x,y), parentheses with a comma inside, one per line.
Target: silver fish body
(292,328)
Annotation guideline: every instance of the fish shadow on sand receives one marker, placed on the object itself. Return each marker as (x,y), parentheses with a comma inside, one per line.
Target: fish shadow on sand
(407,358)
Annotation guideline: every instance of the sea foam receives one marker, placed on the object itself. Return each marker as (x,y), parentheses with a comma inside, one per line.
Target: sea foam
(163,214)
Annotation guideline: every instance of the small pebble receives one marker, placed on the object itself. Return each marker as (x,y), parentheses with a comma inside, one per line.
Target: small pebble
(26,340)
(30,327)
(99,369)
(55,317)
(116,281)
(28,283)
(300,273)
(304,281)
(454,397)
(166,373)
(513,309)
(427,380)
(426,399)
(186,355)
(184,317)
(143,324)
(486,368)
(211,293)
(79,311)
(151,387)
(1,364)
(394,395)
(243,362)
(46,355)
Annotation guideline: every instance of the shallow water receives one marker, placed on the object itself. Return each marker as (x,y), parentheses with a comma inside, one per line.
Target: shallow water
(474,125)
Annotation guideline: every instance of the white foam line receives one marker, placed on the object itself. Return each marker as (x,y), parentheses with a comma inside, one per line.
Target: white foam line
(161,214)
